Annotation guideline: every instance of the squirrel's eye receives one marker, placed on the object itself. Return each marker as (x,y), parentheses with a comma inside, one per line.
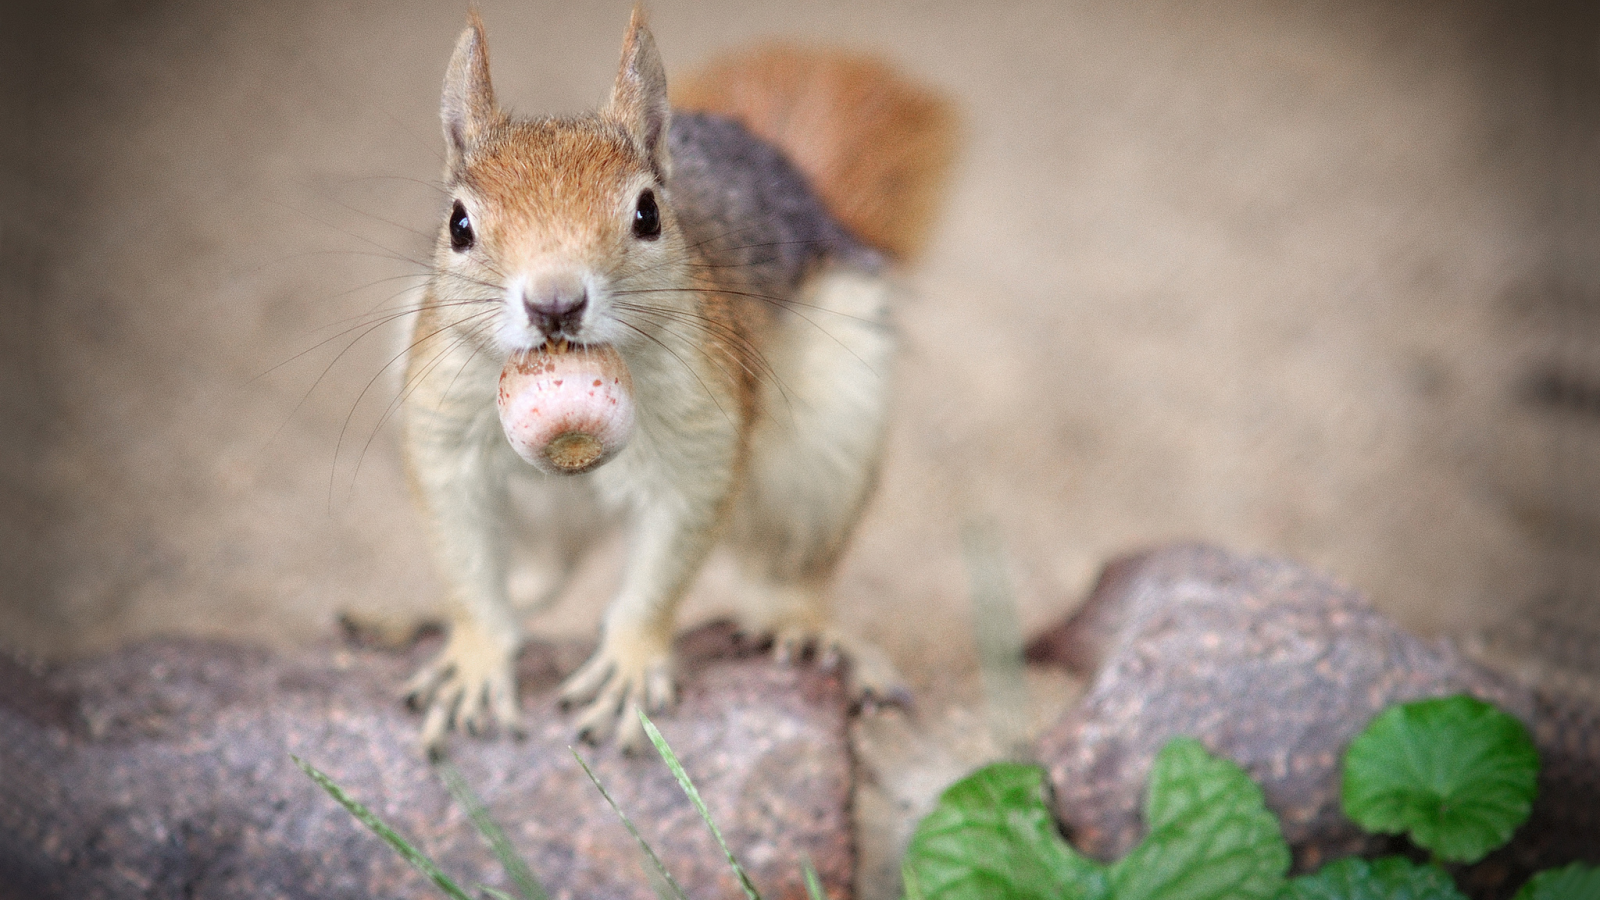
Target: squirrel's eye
(460,228)
(646,217)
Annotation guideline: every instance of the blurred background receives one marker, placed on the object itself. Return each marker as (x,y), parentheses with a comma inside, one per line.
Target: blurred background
(1312,279)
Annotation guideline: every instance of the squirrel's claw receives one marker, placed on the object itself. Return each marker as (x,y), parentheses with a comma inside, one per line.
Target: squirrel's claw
(613,687)
(470,685)
(873,681)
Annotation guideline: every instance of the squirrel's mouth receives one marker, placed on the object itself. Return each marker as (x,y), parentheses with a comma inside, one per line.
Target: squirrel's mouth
(560,344)
(551,337)
(522,337)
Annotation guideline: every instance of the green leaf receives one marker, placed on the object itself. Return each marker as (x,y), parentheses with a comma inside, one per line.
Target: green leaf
(689,790)
(1456,773)
(1211,835)
(1390,878)
(365,816)
(1575,882)
(992,835)
(527,885)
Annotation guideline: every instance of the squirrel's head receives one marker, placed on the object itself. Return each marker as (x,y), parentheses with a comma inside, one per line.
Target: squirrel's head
(561,221)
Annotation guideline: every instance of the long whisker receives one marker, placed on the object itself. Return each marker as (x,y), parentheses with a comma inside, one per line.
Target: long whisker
(752,361)
(688,260)
(366,320)
(383,251)
(431,185)
(783,304)
(484,319)
(339,444)
(395,405)
(322,376)
(495,286)
(425,235)
(412,384)
(476,333)
(688,368)
(420,276)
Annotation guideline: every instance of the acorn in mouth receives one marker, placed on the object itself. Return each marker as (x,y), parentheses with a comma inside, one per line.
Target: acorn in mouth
(566,409)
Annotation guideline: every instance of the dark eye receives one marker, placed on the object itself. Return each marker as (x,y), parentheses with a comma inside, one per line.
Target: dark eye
(646,217)
(460,228)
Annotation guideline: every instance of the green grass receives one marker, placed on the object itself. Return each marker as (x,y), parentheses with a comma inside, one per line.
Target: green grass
(520,873)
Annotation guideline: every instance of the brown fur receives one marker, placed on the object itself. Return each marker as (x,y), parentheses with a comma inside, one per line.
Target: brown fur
(880,170)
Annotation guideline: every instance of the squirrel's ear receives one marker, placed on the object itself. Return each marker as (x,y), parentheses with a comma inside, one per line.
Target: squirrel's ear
(639,98)
(467,107)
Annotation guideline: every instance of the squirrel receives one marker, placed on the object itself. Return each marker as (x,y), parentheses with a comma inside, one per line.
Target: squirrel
(734,247)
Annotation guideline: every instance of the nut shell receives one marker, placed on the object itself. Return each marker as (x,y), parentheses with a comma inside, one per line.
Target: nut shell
(566,409)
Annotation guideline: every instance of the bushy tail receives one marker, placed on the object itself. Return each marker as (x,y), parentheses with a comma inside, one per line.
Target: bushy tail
(876,147)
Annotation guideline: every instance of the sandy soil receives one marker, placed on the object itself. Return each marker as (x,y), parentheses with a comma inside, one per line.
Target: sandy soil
(1229,271)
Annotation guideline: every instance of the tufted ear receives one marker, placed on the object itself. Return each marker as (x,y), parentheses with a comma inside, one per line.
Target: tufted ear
(467,107)
(639,98)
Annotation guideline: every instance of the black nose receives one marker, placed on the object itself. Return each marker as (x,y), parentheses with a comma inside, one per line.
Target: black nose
(557,313)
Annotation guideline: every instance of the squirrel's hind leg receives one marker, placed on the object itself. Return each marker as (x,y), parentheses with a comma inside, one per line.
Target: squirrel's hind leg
(797,616)
(813,465)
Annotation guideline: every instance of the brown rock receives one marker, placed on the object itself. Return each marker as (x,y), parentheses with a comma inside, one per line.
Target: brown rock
(1264,661)
(172,777)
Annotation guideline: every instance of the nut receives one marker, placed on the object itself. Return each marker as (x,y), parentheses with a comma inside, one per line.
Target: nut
(566,409)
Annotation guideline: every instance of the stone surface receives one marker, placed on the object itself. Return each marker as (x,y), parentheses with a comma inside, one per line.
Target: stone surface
(1276,668)
(163,770)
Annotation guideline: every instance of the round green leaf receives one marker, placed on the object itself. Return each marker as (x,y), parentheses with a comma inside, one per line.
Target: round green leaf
(1575,882)
(1211,834)
(1390,878)
(1456,773)
(992,835)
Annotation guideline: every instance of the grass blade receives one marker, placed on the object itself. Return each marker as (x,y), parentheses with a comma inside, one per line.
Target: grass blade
(699,805)
(908,879)
(658,869)
(410,854)
(997,631)
(527,885)
(659,885)
(813,883)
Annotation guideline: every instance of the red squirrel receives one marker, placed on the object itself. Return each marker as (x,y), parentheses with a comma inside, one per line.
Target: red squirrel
(732,251)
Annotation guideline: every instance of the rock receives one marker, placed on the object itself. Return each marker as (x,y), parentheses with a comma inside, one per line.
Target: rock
(1565,825)
(1266,662)
(164,770)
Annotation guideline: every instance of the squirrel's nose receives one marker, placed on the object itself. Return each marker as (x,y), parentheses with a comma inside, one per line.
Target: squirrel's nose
(556,309)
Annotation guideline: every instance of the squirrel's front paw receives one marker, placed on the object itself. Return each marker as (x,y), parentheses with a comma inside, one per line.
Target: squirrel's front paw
(622,678)
(471,684)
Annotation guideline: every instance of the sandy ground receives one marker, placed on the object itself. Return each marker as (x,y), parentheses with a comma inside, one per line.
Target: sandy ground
(1230,271)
